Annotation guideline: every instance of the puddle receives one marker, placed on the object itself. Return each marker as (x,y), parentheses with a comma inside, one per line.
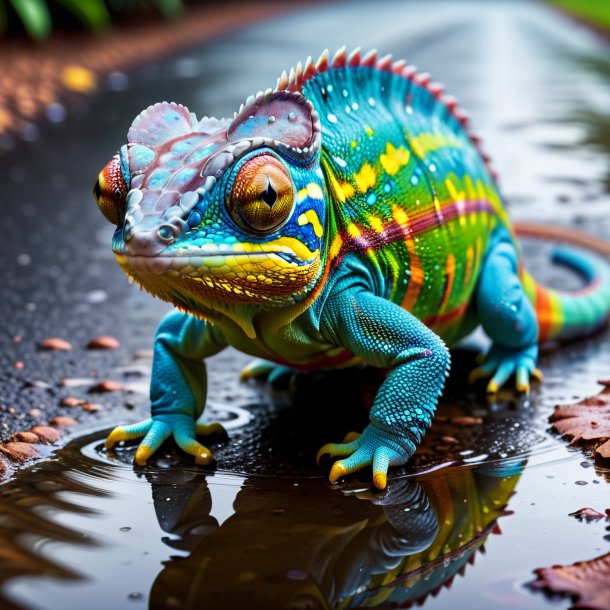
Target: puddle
(85,529)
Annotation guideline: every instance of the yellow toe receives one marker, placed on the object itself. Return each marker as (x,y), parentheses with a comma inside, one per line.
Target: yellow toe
(325,449)
(477,374)
(380,480)
(351,436)
(114,437)
(523,387)
(142,455)
(336,472)
(204,457)
(492,387)
(537,375)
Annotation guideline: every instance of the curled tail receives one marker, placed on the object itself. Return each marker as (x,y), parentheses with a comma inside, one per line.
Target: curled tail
(569,315)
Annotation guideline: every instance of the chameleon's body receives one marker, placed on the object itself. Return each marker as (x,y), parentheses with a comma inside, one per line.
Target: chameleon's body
(348,217)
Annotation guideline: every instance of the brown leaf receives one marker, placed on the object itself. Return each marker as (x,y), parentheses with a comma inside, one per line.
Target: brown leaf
(587,514)
(586,421)
(587,581)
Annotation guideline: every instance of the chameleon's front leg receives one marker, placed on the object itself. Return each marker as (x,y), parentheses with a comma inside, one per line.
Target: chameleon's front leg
(385,335)
(177,389)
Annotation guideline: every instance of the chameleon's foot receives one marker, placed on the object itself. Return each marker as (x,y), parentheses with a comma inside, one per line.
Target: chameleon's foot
(276,374)
(502,362)
(374,447)
(157,430)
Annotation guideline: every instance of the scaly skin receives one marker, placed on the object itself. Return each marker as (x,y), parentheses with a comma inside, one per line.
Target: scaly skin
(348,217)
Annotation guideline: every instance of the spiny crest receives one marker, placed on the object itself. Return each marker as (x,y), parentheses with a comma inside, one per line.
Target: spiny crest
(296,79)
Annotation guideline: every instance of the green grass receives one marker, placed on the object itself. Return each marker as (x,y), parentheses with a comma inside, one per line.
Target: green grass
(596,12)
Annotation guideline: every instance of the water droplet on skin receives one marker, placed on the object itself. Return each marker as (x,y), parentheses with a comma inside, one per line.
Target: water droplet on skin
(271,119)
(332,118)
(292,116)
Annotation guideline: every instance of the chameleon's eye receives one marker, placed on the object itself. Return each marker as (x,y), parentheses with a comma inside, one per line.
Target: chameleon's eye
(110,191)
(262,197)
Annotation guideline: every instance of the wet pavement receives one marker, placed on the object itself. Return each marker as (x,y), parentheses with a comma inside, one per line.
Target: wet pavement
(266,525)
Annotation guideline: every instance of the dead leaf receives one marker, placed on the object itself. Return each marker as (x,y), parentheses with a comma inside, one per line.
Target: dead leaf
(587,514)
(587,420)
(587,581)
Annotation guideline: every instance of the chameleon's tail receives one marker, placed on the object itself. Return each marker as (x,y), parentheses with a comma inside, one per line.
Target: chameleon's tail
(569,315)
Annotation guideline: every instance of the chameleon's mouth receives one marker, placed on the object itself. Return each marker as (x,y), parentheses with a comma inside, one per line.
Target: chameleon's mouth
(204,263)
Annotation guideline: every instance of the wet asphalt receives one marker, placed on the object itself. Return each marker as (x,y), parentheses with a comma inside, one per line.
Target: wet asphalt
(535,84)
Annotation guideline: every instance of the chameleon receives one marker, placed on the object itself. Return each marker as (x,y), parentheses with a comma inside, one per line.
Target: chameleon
(347,217)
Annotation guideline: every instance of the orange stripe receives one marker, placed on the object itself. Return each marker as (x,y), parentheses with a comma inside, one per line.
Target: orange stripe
(450,316)
(450,272)
(544,313)
(416,278)
(469,260)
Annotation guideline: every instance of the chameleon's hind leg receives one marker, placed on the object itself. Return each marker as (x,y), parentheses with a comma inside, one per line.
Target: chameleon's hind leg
(275,374)
(509,319)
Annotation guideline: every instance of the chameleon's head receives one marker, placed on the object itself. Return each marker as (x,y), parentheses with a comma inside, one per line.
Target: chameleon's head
(228,211)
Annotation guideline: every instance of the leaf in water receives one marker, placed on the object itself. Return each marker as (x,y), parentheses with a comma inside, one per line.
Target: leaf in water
(587,420)
(587,581)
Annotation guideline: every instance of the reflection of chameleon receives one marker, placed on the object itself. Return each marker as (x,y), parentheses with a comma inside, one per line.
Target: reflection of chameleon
(346,217)
(310,547)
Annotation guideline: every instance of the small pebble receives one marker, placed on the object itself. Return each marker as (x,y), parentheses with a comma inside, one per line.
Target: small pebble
(103,342)
(34,412)
(19,364)
(108,385)
(55,344)
(72,401)
(43,385)
(46,434)
(26,437)
(449,439)
(63,420)
(18,451)
(466,420)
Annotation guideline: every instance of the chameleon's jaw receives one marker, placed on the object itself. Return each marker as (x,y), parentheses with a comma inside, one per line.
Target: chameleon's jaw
(265,276)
